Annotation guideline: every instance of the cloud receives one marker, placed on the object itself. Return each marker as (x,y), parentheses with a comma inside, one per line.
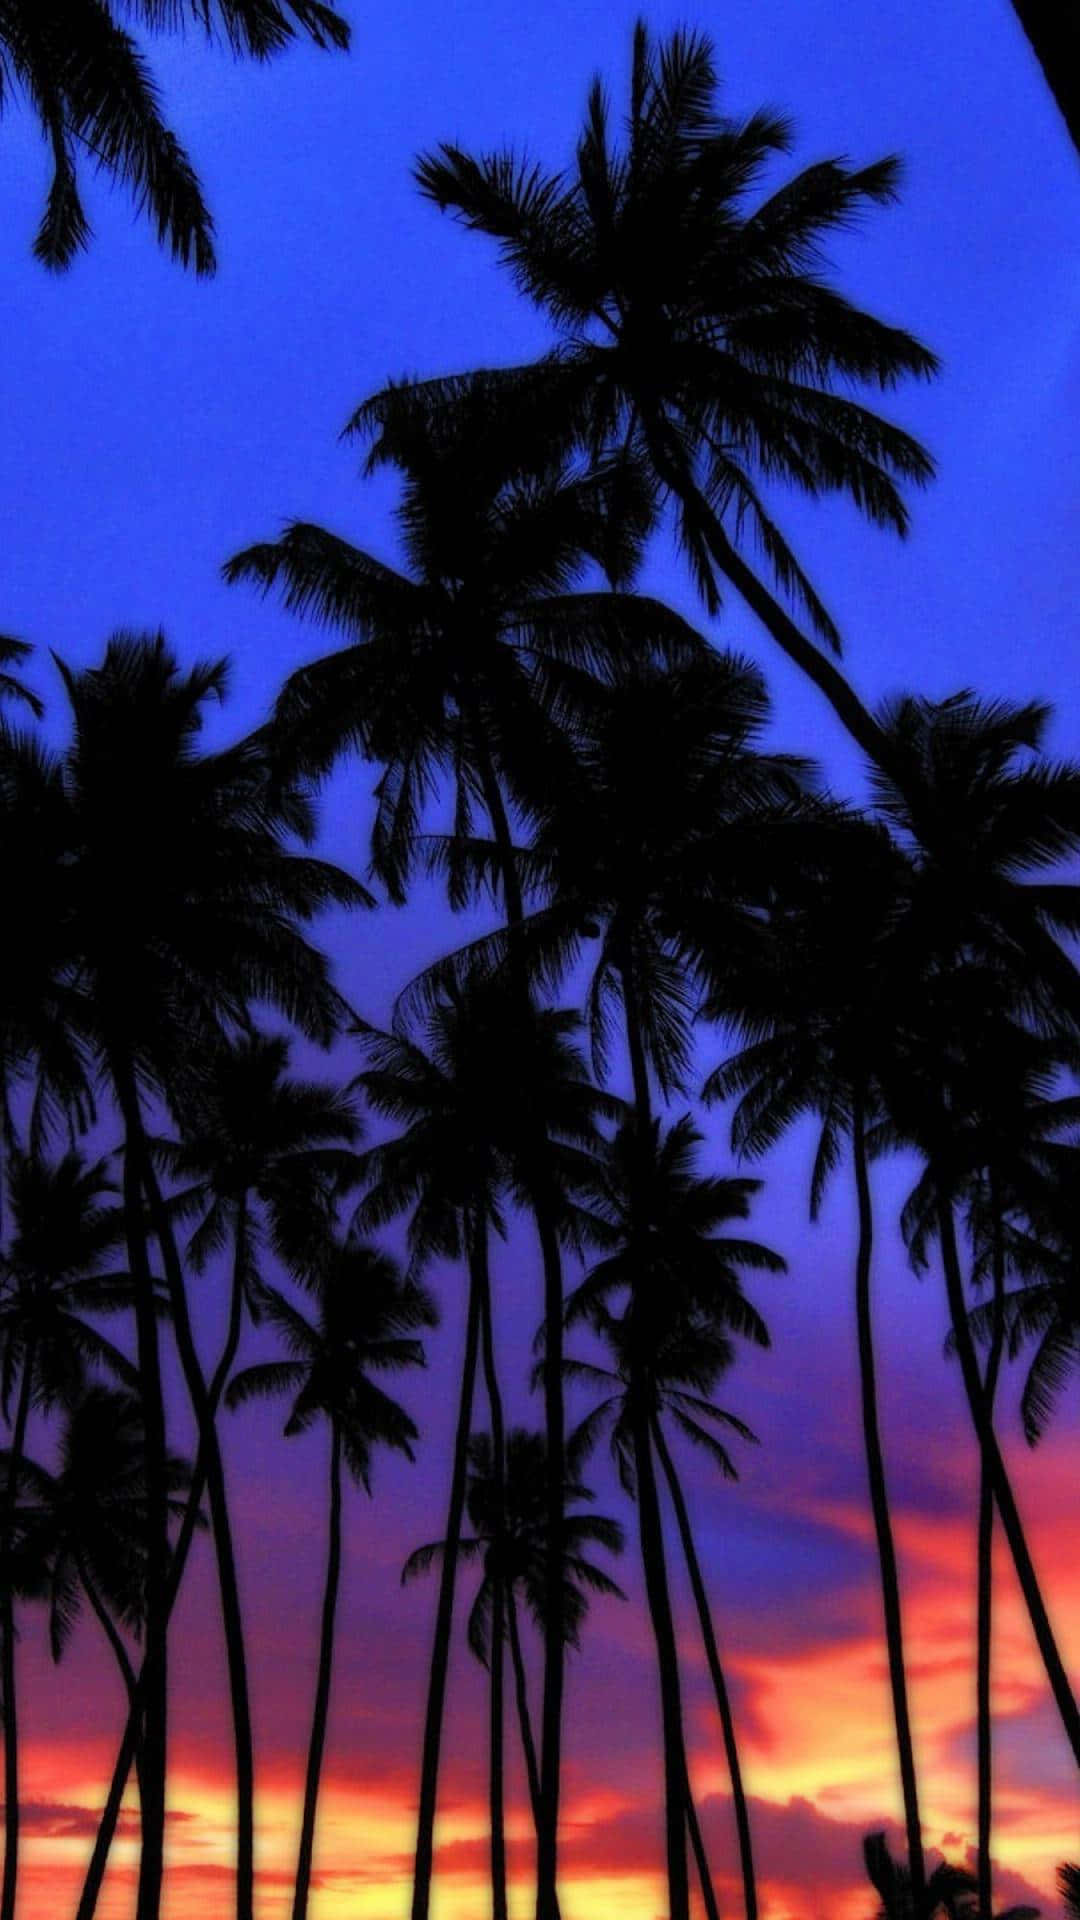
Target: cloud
(62,1820)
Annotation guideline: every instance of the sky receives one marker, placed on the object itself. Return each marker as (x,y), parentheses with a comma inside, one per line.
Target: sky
(152,426)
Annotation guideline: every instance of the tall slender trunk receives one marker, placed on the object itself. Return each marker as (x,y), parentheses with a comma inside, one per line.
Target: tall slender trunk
(879,1501)
(712,1655)
(119,1652)
(521,1701)
(7,1634)
(985,1589)
(322,1683)
(221,1526)
(155,1656)
(1004,1498)
(478,1257)
(444,1620)
(701,1858)
(679,1812)
(547,1836)
(129,1745)
(676,1779)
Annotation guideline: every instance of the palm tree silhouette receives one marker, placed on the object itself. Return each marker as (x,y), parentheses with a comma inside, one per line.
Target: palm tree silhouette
(810,1005)
(472,1093)
(86,79)
(87,1521)
(62,1226)
(510,1543)
(1012,1157)
(366,1324)
(261,1156)
(156,972)
(984,816)
(454,669)
(695,327)
(680,1280)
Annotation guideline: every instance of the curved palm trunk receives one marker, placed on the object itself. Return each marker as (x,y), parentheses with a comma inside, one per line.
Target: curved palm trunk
(322,1684)
(816,665)
(129,1745)
(154,1736)
(701,1858)
(810,659)
(7,1654)
(984,1602)
(119,1652)
(676,1780)
(994,1464)
(879,1502)
(712,1655)
(478,1260)
(444,1619)
(228,1582)
(547,1833)
(521,1701)
(679,1811)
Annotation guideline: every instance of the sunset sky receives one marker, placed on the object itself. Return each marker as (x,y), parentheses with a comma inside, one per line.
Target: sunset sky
(152,425)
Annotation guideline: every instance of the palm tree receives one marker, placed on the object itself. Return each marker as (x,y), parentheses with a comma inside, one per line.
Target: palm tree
(472,1092)
(984,815)
(510,1543)
(87,1520)
(177,899)
(695,327)
(1013,1114)
(262,1156)
(810,1005)
(680,1281)
(62,1225)
(452,672)
(947,1891)
(366,1324)
(85,77)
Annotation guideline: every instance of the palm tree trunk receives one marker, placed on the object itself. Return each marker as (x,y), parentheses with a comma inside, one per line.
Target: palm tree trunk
(478,1260)
(701,1858)
(444,1619)
(676,1778)
(7,1632)
(228,1581)
(120,1653)
(994,1464)
(809,658)
(155,1658)
(816,665)
(879,1501)
(521,1700)
(95,1872)
(985,1584)
(547,1836)
(129,1745)
(322,1684)
(678,1809)
(712,1655)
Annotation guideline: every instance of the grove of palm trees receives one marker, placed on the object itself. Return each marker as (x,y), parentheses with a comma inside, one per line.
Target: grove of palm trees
(539,1004)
